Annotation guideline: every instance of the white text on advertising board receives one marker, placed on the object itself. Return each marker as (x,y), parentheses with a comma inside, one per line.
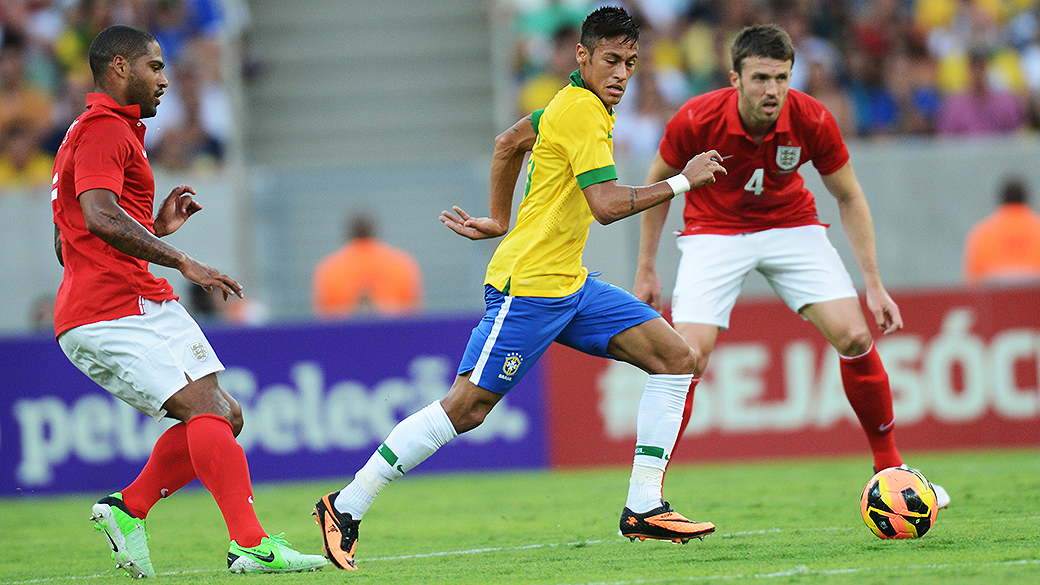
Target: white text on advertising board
(281,418)
(923,374)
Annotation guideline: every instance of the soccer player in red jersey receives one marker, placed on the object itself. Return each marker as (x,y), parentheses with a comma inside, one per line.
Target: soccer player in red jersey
(124,328)
(761,217)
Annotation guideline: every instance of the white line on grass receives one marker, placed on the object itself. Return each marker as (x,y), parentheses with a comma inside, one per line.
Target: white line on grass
(799,570)
(803,570)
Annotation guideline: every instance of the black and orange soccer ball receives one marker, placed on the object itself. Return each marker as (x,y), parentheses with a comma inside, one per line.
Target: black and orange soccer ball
(898,503)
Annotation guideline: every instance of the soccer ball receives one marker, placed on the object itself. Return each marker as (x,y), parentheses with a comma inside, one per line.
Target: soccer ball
(898,503)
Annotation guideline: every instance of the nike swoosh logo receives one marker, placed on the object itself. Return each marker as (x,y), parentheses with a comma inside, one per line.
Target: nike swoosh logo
(268,558)
(885,427)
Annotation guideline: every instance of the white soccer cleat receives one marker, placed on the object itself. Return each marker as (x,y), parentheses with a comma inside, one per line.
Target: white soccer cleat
(941,497)
(126,536)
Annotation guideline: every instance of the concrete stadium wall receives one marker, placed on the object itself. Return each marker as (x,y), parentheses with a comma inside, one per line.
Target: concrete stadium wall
(924,195)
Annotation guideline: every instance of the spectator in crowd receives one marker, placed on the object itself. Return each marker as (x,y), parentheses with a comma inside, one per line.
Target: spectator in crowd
(21,102)
(876,109)
(537,25)
(189,145)
(809,50)
(823,84)
(981,109)
(367,275)
(912,75)
(24,166)
(895,62)
(1005,246)
(41,315)
(195,115)
(70,96)
(537,90)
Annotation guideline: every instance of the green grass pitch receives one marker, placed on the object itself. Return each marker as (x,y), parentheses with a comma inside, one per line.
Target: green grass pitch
(778,522)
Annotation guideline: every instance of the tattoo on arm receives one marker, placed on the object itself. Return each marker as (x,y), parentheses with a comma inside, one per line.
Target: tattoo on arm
(132,238)
(631,198)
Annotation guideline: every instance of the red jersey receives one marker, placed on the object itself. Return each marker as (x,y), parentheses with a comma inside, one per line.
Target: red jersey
(103,149)
(763,189)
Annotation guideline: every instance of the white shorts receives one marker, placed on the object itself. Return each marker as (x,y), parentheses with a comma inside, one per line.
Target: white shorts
(799,263)
(143,359)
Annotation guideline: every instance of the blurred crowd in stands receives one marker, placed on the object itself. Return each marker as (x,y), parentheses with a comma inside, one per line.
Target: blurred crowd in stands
(45,76)
(884,68)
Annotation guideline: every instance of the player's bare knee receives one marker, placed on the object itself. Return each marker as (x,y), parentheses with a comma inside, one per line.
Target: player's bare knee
(680,359)
(700,362)
(688,361)
(855,343)
(237,421)
(204,396)
(464,416)
(469,421)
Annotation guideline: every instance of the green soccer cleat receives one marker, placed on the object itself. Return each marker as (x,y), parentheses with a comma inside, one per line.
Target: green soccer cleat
(127,535)
(272,555)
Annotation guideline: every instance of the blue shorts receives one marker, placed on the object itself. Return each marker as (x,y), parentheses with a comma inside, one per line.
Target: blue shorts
(515,331)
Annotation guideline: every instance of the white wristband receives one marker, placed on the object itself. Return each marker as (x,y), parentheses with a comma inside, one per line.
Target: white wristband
(679,183)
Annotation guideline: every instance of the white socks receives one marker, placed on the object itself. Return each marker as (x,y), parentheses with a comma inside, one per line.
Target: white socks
(657,428)
(408,444)
(421,434)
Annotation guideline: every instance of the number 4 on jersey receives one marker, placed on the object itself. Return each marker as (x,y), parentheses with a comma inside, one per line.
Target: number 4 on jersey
(756,184)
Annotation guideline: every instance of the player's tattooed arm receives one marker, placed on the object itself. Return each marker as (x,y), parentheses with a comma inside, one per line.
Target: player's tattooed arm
(610,202)
(107,220)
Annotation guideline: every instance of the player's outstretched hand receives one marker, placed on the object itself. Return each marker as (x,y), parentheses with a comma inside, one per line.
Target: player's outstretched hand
(474,228)
(175,210)
(209,278)
(701,169)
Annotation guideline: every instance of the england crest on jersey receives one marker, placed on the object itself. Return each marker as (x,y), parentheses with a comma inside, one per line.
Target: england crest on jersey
(787,157)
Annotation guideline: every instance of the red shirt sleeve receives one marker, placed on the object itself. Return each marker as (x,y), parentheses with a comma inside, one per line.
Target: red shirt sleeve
(831,153)
(677,144)
(103,154)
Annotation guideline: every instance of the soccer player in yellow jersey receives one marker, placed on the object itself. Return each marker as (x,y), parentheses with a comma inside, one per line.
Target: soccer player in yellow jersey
(537,292)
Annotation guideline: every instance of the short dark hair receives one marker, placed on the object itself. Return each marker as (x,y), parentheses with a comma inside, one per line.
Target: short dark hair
(606,23)
(761,40)
(1014,191)
(360,225)
(117,39)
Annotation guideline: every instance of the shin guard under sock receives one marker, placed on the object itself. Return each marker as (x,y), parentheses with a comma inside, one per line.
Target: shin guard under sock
(222,468)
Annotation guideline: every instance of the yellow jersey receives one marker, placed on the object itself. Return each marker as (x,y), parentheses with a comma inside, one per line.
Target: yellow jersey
(542,256)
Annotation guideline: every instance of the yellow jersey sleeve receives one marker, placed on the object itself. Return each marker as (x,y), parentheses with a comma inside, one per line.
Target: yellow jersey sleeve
(542,255)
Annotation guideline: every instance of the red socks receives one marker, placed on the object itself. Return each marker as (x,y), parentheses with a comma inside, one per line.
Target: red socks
(686,412)
(206,448)
(221,465)
(866,386)
(168,469)
(687,409)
